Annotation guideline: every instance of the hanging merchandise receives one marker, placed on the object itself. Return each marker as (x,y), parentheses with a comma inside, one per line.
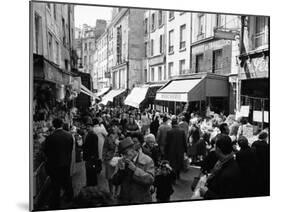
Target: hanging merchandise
(60,92)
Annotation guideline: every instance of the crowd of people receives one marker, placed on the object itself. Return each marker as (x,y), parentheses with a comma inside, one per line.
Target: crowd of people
(144,152)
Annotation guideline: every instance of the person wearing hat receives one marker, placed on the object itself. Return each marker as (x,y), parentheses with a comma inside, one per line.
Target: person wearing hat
(225,178)
(175,147)
(261,148)
(91,155)
(134,174)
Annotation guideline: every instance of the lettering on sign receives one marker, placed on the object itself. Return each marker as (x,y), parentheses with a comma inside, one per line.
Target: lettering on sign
(172,97)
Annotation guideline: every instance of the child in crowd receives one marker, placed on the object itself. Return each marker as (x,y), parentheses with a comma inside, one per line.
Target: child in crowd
(151,148)
(164,180)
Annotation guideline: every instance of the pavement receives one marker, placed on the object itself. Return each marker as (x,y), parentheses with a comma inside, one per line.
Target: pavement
(182,188)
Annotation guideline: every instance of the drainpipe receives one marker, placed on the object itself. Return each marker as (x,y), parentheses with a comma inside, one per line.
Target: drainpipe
(241,51)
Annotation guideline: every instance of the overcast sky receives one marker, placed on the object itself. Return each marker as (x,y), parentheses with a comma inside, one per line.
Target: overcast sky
(89,14)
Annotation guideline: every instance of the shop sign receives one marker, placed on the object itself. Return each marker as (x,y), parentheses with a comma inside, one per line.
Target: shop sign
(244,110)
(52,74)
(256,67)
(156,60)
(173,97)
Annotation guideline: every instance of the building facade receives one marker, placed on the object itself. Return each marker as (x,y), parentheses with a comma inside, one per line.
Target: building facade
(213,50)
(253,68)
(128,49)
(178,43)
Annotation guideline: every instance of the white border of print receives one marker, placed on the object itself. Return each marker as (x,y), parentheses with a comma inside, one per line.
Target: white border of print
(15,104)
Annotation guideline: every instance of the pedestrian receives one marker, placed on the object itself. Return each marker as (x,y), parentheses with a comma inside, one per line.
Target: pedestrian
(131,126)
(58,151)
(225,178)
(154,125)
(135,174)
(101,132)
(162,133)
(145,123)
(184,126)
(175,147)
(164,181)
(91,155)
(261,148)
(110,150)
(151,148)
(247,161)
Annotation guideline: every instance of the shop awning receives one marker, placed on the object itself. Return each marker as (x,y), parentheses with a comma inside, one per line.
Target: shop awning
(193,89)
(110,96)
(86,91)
(102,91)
(136,96)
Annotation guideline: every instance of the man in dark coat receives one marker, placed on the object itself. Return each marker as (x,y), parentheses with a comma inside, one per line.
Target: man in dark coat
(162,133)
(91,155)
(261,149)
(224,180)
(247,161)
(175,147)
(58,151)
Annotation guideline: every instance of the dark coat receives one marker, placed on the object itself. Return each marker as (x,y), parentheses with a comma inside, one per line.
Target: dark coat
(225,183)
(90,147)
(154,127)
(247,161)
(261,148)
(58,149)
(209,161)
(175,148)
(161,136)
(164,185)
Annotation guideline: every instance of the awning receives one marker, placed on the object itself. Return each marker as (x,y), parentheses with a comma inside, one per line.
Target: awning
(102,91)
(86,91)
(136,96)
(110,96)
(193,89)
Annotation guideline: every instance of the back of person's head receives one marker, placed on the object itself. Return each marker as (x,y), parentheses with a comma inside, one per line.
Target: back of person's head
(243,142)
(224,128)
(244,120)
(165,119)
(223,142)
(174,121)
(57,123)
(263,135)
(93,196)
(96,121)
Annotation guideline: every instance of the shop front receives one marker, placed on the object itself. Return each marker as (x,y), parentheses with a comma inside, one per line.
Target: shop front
(194,93)
(53,92)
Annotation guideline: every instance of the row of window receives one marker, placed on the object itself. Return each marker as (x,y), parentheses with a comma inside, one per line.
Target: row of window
(217,61)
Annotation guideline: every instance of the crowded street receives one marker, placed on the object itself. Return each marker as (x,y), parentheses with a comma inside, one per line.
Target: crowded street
(134,106)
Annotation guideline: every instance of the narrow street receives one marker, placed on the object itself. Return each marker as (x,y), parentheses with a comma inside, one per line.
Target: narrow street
(182,188)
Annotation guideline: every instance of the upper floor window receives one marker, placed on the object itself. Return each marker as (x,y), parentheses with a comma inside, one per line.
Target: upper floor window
(152,47)
(182,36)
(160,18)
(182,67)
(153,21)
(145,49)
(50,46)
(171,41)
(218,20)
(171,15)
(201,19)
(159,73)
(199,63)
(260,34)
(161,44)
(55,11)
(217,60)
(152,74)
(145,26)
(170,69)
(38,34)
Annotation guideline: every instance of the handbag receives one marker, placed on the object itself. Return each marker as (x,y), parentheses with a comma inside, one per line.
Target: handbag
(195,181)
